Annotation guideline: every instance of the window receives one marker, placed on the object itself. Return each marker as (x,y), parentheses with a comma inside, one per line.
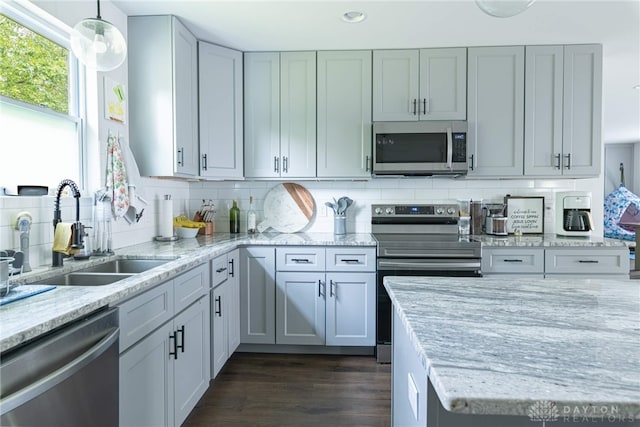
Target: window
(40,121)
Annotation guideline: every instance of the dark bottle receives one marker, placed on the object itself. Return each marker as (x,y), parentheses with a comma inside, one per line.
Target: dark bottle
(234,218)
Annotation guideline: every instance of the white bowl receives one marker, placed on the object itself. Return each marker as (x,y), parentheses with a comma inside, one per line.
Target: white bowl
(186,233)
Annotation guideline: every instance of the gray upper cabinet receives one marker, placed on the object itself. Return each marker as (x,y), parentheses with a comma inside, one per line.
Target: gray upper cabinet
(280,114)
(344,114)
(426,84)
(220,101)
(495,111)
(563,110)
(163,96)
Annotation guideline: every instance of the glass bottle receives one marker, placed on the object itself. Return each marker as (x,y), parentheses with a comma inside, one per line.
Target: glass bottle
(251,217)
(234,218)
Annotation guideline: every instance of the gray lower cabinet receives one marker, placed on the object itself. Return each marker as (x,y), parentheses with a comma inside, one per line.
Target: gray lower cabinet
(165,363)
(257,295)
(556,262)
(225,311)
(495,111)
(323,296)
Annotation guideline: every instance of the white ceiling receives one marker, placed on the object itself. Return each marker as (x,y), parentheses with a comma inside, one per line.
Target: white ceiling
(316,25)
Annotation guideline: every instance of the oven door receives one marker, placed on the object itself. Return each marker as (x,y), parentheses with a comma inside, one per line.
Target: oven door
(411,267)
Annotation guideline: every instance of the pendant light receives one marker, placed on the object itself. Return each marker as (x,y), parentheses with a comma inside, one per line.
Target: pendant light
(98,44)
(504,8)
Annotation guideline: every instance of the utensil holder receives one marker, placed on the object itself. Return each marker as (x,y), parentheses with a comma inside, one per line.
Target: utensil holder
(339,225)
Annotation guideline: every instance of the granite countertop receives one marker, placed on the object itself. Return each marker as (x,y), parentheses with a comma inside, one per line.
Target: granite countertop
(497,346)
(26,319)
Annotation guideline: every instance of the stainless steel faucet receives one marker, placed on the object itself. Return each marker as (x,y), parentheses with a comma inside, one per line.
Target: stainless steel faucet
(78,232)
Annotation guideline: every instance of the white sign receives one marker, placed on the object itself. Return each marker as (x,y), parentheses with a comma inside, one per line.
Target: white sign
(525,214)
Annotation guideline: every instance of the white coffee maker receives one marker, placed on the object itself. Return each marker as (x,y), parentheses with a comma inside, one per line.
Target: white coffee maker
(573,213)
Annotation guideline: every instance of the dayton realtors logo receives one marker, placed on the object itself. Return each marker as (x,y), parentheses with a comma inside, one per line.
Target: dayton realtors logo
(544,411)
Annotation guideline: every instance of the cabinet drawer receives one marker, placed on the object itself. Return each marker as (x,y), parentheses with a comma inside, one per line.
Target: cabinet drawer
(587,261)
(219,270)
(521,261)
(351,259)
(141,315)
(300,259)
(190,286)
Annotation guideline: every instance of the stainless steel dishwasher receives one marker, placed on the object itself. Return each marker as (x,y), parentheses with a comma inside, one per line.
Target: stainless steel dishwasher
(67,378)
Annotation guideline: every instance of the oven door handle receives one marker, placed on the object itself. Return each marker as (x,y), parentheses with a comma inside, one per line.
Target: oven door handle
(428,265)
(449,148)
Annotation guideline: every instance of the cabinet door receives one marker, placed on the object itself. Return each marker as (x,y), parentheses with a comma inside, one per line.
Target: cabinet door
(257,295)
(582,124)
(185,74)
(300,308)
(351,304)
(298,114)
(262,115)
(192,364)
(395,85)
(443,84)
(344,114)
(146,381)
(543,111)
(220,100)
(219,328)
(495,111)
(233,310)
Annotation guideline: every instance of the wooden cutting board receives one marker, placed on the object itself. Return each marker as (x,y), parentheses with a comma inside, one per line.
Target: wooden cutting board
(288,208)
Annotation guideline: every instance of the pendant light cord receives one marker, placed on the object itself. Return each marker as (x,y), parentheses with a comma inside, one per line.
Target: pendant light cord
(99,17)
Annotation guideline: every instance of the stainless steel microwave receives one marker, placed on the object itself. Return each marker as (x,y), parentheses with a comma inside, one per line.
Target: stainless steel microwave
(420,148)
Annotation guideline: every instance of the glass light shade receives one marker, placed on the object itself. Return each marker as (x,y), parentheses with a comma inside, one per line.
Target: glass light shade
(504,8)
(98,44)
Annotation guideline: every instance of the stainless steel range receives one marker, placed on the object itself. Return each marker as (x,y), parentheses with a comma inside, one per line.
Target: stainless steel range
(417,240)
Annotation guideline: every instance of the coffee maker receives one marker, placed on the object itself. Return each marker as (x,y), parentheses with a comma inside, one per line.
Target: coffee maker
(573,213)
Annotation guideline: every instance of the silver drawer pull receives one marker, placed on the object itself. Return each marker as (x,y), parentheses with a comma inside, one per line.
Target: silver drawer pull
(588,261)
(301,260)
(350,261)
(512,260)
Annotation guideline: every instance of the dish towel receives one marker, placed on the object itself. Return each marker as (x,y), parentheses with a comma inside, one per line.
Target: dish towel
(116,180)
(133,175)
(62,238)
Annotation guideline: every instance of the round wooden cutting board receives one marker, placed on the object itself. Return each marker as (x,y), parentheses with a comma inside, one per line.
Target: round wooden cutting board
(288,208)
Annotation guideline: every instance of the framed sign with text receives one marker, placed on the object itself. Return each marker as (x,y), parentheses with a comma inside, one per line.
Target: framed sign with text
(525,213)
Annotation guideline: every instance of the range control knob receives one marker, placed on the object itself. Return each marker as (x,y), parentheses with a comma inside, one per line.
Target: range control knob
(389,211)
(439,211)
(378,211)
(451,211)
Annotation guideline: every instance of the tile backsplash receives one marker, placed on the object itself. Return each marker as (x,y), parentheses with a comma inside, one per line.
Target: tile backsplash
(188,197)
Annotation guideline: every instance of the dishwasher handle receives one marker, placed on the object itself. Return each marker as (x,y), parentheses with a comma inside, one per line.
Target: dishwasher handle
(56,377)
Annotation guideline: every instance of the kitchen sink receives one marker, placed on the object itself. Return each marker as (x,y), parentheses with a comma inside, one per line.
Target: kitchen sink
(128,266)
(86,279)
(105,273)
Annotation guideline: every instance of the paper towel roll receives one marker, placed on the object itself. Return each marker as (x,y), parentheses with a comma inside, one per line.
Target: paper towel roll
(165,218)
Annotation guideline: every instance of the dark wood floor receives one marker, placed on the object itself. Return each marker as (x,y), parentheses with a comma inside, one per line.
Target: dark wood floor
(297,390)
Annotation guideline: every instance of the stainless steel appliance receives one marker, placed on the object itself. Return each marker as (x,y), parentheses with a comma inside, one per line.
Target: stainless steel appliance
(417,240)
(67,378)
(420,148)
(496,225)
(573,213)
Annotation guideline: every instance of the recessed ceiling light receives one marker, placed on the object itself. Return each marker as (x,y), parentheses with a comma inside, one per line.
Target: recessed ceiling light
(353,16)
(637,87)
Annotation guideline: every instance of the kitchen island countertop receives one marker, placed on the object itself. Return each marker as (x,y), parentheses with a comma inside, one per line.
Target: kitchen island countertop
(498,346)
(26,319)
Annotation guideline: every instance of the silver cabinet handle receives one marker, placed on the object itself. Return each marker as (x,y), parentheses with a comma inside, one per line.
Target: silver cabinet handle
(285,164)
(424,106)
(276,164)
(558,162)
(568,156)
(415,107)
(331,291)
(180,156)
(204,162)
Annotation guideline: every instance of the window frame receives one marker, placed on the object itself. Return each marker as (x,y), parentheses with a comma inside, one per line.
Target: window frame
(48,26)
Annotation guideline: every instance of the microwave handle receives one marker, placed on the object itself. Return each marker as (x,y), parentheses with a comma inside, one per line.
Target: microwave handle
(449,148)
